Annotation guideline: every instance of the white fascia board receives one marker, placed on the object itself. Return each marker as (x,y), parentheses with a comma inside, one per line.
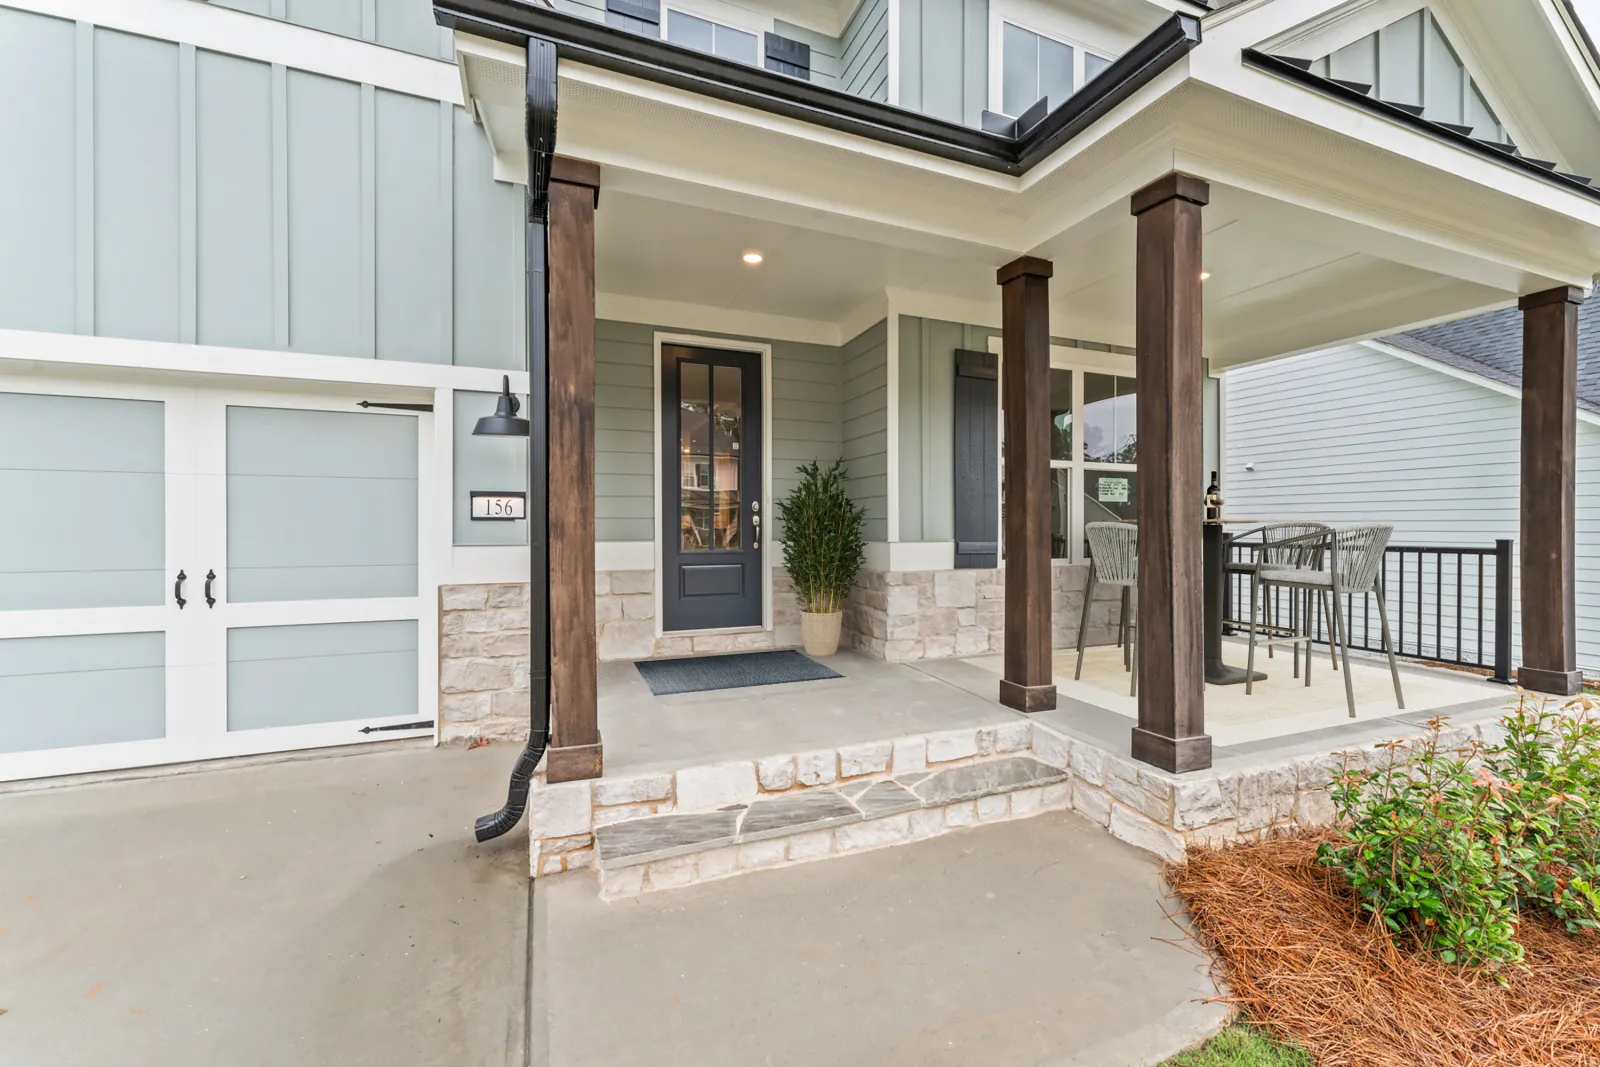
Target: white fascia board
(267,40)
(672,314)
(1464,375)
(248,366)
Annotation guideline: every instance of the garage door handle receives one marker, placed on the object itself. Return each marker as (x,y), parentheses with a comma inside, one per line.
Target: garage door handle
(177,590)
(211,601)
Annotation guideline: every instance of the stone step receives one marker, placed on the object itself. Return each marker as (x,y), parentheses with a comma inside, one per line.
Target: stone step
(671,851)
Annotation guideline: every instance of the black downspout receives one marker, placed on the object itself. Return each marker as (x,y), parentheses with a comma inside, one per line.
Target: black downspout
(541,134)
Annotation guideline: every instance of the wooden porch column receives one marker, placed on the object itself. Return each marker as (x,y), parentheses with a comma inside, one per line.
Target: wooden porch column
(575,750)
(1170,638)
(1549,464)
(1025,377)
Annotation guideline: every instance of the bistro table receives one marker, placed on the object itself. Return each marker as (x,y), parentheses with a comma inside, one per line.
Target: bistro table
(1214,566)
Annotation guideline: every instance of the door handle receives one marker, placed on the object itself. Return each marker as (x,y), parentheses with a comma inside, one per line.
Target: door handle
(755,520)
(177,590)
(211,576)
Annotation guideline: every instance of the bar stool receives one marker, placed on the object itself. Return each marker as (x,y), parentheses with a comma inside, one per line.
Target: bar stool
(1114,561)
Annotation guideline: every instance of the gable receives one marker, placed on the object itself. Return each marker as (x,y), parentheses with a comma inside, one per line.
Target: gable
(1411,61)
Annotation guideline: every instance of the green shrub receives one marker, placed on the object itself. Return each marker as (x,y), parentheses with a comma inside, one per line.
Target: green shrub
(822,546)
(1451,847)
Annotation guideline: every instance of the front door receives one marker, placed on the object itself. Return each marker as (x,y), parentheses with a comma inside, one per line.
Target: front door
(712,513)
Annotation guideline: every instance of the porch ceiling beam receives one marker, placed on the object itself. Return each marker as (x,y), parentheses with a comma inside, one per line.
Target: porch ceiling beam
(1549,483)
(651,59)
(1170,630)
(1025,381)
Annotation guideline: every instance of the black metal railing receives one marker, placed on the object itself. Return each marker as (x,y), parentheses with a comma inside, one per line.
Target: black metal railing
(1446,605)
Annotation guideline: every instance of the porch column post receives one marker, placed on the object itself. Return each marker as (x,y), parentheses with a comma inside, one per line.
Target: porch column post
(1170,636)
(575,750)
(1025,376)
(1549,463)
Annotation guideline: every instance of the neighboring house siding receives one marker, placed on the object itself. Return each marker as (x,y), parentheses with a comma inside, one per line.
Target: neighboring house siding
(803,410)
(865,60)
(407,25)
(927,418)
(944,58)
(1357,435)
(865,427)
(191,196)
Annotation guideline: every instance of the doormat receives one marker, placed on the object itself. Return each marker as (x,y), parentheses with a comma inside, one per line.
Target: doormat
(738,671)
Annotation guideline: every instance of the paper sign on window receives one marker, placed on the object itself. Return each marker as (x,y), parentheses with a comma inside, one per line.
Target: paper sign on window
(1112,490)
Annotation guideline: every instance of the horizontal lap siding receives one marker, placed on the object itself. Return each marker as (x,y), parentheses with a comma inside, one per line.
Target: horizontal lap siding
(803,409)
(162,192)
(864,384)
(1356,435)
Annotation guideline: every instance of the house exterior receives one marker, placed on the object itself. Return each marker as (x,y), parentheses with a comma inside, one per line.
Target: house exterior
(268,262)
(1417,429)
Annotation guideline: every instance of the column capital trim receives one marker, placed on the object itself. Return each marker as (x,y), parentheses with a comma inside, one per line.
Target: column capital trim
(1561,294)
(1024,266)
(571,171)
(1173,186)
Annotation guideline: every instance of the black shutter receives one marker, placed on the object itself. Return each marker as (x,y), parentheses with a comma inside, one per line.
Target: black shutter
(637,16)
(977,459)
(788,57)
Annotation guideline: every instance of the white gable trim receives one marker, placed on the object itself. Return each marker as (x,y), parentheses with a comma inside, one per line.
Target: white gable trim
(1464,375)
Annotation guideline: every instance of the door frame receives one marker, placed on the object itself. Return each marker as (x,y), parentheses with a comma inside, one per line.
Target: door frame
(723,344)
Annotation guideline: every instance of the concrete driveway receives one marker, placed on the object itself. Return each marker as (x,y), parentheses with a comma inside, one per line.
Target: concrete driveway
(308,912)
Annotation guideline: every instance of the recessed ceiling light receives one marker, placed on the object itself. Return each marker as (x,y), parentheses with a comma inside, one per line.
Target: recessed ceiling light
(752,258)
(1204,275)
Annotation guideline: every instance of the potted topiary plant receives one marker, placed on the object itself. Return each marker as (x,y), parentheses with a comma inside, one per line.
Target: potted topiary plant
(822,550)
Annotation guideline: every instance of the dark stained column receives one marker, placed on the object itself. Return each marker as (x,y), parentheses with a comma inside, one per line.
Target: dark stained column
(1549,465)
(575,750)
(1025,379)
(1171,731)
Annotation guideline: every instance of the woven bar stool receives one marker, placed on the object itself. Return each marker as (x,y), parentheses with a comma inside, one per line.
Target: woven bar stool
(1114,560)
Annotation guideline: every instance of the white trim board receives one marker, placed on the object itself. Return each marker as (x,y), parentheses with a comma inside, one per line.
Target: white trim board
(268,40)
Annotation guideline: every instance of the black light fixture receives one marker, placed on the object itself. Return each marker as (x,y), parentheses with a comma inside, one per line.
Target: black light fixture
(504,421)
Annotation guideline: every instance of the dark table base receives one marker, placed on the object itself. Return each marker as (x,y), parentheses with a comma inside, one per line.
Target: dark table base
(1217,672)
(1220,673)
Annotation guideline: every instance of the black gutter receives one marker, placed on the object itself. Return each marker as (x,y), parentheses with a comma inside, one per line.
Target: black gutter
(1289,71)
(651,59)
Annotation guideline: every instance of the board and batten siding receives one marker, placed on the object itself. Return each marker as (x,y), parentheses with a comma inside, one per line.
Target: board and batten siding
(407,25)
(803,409)
(160,192)
(865,60)
(927,422)
(944,58)
(1358,435)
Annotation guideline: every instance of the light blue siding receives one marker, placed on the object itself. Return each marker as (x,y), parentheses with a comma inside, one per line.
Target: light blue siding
(411,230)
(325,216)
(136,185)
(1357,435)
(407,25)
(825,52)
(864,426)
(488,239)
(38,109)
(865,61)
(235,287)
(927,423)
(944,58)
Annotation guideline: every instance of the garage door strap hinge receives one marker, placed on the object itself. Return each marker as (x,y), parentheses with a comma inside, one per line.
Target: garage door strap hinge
(425,725)
(394,407)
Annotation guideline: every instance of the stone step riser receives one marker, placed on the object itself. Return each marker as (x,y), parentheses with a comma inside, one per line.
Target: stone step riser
(726,861)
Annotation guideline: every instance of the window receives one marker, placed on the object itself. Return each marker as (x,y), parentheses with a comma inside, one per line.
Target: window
(1035,67)
(703,35)
(1094,445)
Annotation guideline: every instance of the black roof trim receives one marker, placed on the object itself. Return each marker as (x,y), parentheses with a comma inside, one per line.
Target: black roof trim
(1292,71)
(599,45)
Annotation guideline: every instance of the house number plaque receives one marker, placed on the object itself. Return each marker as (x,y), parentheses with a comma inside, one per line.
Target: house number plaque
(494,507)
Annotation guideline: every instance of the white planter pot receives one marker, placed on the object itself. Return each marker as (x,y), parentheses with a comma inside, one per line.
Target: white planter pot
(820,632)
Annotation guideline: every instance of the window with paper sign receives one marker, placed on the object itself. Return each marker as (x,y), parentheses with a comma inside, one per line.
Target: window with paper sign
(1094,446)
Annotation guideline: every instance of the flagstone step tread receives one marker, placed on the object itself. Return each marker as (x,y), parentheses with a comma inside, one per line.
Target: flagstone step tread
(661,837)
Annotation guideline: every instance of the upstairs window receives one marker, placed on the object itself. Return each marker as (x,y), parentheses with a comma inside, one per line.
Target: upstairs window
(703,35)
(1035,67)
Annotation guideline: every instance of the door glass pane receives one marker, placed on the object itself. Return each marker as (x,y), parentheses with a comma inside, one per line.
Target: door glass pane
(97,689)
(1061,414)
(1060,513)
(728,420)
(322,672)
(1110,419)
(83,523)
(1020,78)
(1109,496)
(694,445)
(322,505)
(1055,71)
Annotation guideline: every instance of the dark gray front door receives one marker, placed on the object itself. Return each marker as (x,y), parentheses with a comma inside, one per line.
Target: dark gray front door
(712,512)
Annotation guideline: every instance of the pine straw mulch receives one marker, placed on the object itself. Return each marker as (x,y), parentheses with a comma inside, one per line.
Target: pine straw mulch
(1299,959)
